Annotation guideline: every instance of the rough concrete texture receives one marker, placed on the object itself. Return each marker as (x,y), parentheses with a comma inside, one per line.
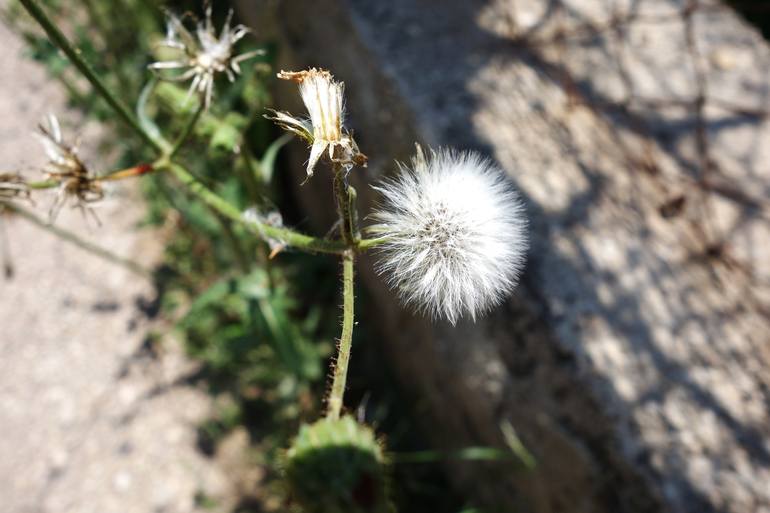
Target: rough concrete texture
(633,359)
(91,420)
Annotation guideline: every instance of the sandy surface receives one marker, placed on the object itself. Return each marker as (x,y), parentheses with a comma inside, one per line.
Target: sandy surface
(90,420)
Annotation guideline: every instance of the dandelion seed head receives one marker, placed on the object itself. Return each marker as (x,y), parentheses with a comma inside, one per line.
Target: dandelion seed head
(455,234)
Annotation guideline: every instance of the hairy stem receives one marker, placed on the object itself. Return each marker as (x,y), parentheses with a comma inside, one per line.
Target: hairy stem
(345,197)
(346,339)
(77,240)
(74,55)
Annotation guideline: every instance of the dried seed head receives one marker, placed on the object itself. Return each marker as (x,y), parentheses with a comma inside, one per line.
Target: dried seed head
(455,234)
(65,167)
(204,56)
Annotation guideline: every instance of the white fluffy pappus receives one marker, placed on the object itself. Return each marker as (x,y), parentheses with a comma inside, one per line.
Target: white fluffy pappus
(454,232)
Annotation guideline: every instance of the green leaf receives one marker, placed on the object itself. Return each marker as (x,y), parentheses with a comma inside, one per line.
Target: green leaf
(145,121)
(266,165)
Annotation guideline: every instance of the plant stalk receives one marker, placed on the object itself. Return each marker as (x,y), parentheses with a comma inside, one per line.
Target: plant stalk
(346,339)
(345,197)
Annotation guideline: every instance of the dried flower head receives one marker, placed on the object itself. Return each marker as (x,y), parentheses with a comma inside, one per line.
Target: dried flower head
(204,56)
(65,167)
(324,99)
(454,234)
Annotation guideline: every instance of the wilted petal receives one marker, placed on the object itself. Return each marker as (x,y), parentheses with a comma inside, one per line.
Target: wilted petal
(301,127)
(315,153)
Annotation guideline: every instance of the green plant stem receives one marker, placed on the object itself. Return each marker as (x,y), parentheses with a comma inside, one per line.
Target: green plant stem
(365,244)
(346,339)
(186,131)
(290,237)
(43,184)
(77,240)
(345,196)
(74,55)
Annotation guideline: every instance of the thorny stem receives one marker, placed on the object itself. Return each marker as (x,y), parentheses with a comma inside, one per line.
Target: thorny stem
(75,57)
(77,240)
(346,339)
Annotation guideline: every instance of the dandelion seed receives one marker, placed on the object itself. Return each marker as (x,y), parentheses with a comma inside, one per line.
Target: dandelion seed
(324,99)
(454,233)
(65,167)
(204,56)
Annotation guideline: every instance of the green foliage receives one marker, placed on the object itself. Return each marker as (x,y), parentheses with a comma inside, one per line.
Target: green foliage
(243,327)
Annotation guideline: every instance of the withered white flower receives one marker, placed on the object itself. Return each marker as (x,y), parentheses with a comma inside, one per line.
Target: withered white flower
(454,232)
(204,56)
(324,131)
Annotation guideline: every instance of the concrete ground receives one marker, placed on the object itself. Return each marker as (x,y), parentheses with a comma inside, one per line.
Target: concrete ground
(90,420)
